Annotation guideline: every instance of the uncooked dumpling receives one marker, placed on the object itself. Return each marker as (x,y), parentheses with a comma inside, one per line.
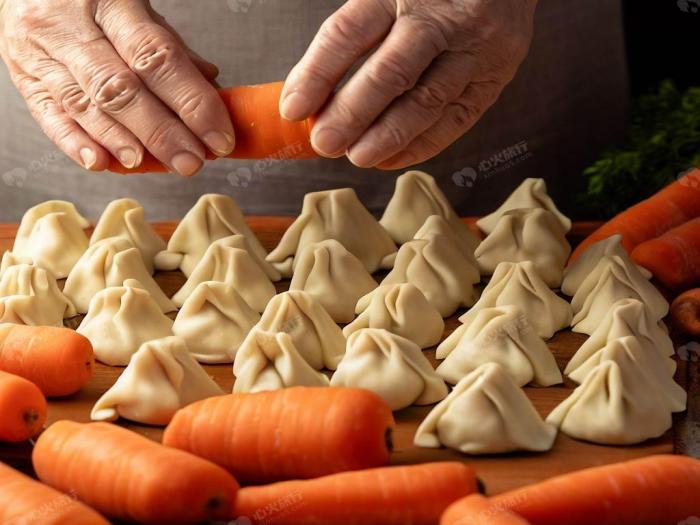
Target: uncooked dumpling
(416,197)
(500,335)
(234,266)
(211,218)
(271,361)
(314,333)
(437,226)
(611,280)
(10,259)
(486,413)
(214,321)
(335,214)
(32,215)
(333,276)
(439,270)
(527,235)
(402,309)
(519,284)
(39,284)
(125,218)
(532,193)
(391,366)
(161,378)
(108,263)
(120,319)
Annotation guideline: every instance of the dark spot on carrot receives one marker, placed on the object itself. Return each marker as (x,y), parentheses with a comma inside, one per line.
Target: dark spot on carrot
(214,503)
(480,486)
(30,417)
(389,439)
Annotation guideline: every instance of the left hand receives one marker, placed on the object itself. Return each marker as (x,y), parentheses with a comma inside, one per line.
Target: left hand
(439,65)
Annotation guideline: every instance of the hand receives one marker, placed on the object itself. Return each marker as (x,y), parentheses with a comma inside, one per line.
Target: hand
(439,66)
(111,76)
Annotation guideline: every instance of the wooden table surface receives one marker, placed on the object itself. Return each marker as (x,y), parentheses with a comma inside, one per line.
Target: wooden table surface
(500,472)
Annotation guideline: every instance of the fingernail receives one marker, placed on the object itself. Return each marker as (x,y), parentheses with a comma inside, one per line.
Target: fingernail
(364,155)
(295,106)
(219,142)
(186,163)
(328,141)
(88,157)
(128,157)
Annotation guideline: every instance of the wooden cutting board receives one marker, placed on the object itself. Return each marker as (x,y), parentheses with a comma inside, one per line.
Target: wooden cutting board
(499,473)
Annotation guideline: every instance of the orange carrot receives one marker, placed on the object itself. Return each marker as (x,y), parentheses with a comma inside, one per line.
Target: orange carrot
(685,312)
(406,495)
(478,510)
(127,476)
(674,257)
(22,408)
(286,434)
(26,502)
(261,132)
(57,360)
(656,490)
(675,204)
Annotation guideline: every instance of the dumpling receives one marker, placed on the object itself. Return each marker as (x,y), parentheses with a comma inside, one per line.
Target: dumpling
(314,333)
(333,276)
(527,235)
(120,319)
(416,197)
(335,214)
(439,270)
(486,413)
(211,218)
(161,378)
(125,218)
(32,215)
(391,366)
(437,226)
(532,193)
(109,263)
(271,361)
(402,309)
(10,259)
(576,272)
(48,301)
(519,284)
(500,335)
(214,321)
(610,281)
(235,266)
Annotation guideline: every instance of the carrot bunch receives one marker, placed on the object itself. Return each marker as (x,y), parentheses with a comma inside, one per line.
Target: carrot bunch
(22,408)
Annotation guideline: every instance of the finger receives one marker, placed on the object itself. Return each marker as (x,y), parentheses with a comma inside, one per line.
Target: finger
(343,38)
(392,70)
(164,66)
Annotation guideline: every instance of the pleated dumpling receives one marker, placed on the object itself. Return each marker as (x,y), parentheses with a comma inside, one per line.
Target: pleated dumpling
(391,366)
(437,226)
(520,284)
(500,335)
(416,197)
(333,276)
(120,319)
(314,333)
(611,280)
(161,378)
(109,263)
(32,216)
(486,413)
(211,218)
(271,361)
(335,214)
(402,309)
(235,266)
(439,270)
(126,219)
(527,235)
(10,259)
(532,193)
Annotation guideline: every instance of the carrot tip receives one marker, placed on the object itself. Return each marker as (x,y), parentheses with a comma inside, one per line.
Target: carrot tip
(30,416)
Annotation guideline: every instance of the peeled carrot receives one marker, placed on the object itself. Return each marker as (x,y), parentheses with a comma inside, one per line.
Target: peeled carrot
(478,510)
(292,433)
(22,408)
(24,501)
(677,203)
(685,312)
(261,132)
(406,495)
(57,360)
(127,476)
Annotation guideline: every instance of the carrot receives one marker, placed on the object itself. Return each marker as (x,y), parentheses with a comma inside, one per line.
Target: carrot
(24,501)
(57,360)
(478,510)
(127,476)
(674,257)
(286,434)
(261,132)
(406,495)
(22,408)
(685,312)
(675,204)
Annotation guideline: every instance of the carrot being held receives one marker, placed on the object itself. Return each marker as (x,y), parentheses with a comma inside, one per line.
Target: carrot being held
(685,312)
(22,408)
